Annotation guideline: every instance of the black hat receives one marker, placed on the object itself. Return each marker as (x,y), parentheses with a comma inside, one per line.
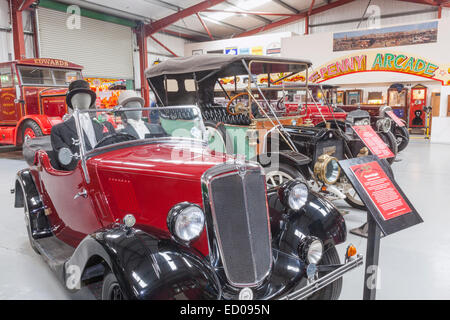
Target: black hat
(79,86)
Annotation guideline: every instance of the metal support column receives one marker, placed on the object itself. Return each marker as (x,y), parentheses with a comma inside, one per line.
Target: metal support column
(372,257)
(17,30)
(143,65)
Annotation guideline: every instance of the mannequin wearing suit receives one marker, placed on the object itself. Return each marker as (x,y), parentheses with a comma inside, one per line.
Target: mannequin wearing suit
(134,125)
(64,135)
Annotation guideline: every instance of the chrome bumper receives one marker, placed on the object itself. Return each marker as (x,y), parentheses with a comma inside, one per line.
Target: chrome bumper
(312,287)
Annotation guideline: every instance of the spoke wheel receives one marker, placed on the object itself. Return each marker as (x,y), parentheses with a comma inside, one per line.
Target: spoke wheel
(275,176)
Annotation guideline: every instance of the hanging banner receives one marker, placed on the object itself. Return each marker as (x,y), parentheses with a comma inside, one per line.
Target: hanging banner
(376,61)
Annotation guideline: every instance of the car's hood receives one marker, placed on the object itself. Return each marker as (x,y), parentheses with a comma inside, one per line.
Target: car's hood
(172,159)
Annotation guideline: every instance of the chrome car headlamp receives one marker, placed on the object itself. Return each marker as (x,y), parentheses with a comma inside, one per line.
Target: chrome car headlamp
(384,125)
(327,169)
(186,221)
(310,250)
(294,194)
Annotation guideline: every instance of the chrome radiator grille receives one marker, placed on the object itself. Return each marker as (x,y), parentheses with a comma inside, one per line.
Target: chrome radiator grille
(240,216)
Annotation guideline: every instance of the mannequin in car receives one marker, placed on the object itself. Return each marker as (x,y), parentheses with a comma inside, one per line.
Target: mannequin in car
(132,119)
(64,135)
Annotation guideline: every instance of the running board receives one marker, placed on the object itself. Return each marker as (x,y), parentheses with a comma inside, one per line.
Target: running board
(55,252)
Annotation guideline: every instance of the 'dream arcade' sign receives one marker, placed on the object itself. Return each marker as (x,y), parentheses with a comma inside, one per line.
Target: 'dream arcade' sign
(372,61)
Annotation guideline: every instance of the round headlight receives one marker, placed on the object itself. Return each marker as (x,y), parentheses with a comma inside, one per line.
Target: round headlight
(327,169)
(298,195)
(311,250)
(186,221)
(384,125)
(315,252)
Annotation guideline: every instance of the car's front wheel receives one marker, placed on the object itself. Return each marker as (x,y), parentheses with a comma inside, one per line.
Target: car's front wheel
(389,139)
(277,175)
(111,289)
(402,137)
(333,290)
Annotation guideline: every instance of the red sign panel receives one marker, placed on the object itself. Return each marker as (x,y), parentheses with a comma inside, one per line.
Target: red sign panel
(373,141)
(381,190)
(396,119)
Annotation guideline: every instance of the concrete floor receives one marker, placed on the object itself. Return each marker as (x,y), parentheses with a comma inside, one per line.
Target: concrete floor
(414,263)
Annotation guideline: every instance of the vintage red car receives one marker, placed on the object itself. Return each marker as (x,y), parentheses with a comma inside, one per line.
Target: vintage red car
(32,97)
(167,218)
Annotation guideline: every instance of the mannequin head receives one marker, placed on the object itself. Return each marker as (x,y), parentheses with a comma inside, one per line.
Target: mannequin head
(81,101)
(135,114)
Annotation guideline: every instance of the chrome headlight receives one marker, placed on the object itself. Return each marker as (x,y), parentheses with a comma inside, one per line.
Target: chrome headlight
(362,122)
(186,221)
(310,250)
(327,169)
(294,194)
(384,125)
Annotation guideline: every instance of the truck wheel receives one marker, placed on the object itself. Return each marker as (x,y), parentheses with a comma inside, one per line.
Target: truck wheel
(111,289)
(333,290)
(218,137)
(276,176)
(402,137)
(31,130)
(389,139)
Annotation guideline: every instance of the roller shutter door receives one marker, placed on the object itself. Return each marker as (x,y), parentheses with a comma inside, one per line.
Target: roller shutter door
(104,49)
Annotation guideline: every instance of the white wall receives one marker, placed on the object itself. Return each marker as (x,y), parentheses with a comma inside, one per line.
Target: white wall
(263,40)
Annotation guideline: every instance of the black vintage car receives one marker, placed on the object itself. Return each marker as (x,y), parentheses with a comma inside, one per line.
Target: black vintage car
(253,118)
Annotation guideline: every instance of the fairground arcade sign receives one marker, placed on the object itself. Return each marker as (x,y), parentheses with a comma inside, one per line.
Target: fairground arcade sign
(373,61)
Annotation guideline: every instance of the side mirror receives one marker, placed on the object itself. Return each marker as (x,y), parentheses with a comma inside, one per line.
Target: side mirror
(65,156)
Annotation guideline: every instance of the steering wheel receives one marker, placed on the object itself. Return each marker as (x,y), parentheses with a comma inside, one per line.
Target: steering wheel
(239,107)
(114,138)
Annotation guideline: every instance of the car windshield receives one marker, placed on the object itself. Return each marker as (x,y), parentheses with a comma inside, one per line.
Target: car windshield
(47,76)
(130,125)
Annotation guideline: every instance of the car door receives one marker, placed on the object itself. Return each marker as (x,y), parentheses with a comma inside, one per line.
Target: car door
(73,214)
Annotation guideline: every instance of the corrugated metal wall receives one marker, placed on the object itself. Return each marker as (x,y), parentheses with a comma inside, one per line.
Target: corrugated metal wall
(157,52)
(104,49)
(356,9)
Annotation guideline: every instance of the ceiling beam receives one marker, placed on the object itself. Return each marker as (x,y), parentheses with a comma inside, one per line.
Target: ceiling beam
(295,18)
(162,45)
(25,4)
(311,7)
(171,19)
(200,7)
(205,26)
(286,6)
(436,3)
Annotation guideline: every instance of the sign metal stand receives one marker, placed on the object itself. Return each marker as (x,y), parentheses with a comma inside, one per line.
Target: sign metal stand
(388,210)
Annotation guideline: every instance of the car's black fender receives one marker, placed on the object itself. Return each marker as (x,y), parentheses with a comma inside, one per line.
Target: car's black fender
(27,196)
(147,265)
(318,218)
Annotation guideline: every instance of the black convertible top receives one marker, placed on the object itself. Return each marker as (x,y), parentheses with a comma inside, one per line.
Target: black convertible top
(227,65)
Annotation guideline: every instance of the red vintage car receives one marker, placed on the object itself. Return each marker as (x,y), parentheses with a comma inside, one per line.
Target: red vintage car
(167,218)
(32,97)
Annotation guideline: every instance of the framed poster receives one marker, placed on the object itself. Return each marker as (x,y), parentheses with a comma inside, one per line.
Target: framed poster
(340,97)
(373,181)
(353,97)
